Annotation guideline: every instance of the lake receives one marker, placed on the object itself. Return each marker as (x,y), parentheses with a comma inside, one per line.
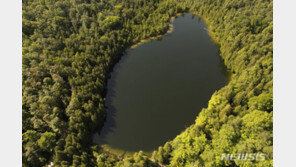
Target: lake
(157,89)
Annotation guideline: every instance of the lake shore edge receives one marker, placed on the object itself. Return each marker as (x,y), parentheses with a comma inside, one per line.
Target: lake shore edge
(119,152)
(170,30)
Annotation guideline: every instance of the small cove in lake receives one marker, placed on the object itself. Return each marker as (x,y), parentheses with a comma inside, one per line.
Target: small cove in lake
(158,88)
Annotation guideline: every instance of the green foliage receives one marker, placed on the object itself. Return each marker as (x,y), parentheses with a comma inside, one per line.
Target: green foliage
(262,102)
(37,147)
(47,141)
(238,118)
(70,48)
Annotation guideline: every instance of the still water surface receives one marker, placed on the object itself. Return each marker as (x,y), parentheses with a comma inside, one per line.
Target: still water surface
(157,89)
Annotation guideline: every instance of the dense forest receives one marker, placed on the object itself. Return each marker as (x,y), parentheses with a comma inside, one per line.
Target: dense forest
(70,48)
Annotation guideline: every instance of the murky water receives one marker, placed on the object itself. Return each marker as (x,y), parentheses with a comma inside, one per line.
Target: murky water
(157,89)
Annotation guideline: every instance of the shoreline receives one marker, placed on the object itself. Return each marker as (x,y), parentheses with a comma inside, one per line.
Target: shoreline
(215,40)
(170,30)
(209,29)
(122,153)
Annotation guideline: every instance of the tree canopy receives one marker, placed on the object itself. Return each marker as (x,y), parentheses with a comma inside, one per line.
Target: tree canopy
(70,48)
